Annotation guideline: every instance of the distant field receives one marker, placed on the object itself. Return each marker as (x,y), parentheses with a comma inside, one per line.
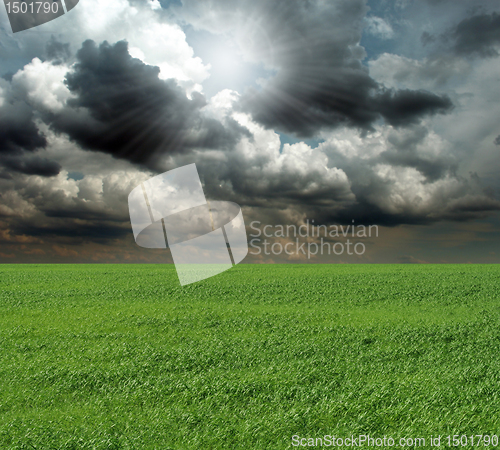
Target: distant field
(122,357)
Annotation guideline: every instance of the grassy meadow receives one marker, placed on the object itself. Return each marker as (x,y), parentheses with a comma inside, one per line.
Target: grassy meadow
(123,357)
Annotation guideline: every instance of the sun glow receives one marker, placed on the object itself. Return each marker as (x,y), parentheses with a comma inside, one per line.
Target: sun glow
(226,62)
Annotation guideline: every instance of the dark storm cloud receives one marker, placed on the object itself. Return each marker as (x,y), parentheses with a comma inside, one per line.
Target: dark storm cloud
(121,107)
(19,138)
(364,212)
(478,34)
(18,131)
(305,110)
(101,231)
(405,107)
(32,165)
(497,140)
(321,82)
(302,104)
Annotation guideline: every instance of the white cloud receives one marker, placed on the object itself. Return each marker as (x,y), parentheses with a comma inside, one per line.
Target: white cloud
(155,4)
(43,85)
(221,104)
(350,144)
(422,142)
(409,193)
(378,27)
(156,41)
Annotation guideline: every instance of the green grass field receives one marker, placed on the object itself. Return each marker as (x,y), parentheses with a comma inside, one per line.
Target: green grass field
(122,357)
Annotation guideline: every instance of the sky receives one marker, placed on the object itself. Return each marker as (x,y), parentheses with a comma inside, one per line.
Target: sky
(345,113)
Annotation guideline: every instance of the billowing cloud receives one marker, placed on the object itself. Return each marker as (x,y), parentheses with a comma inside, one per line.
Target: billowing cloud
(119,105)
(404,176)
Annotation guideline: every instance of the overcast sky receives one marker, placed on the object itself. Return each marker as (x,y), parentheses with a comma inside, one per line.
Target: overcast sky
(378,113)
